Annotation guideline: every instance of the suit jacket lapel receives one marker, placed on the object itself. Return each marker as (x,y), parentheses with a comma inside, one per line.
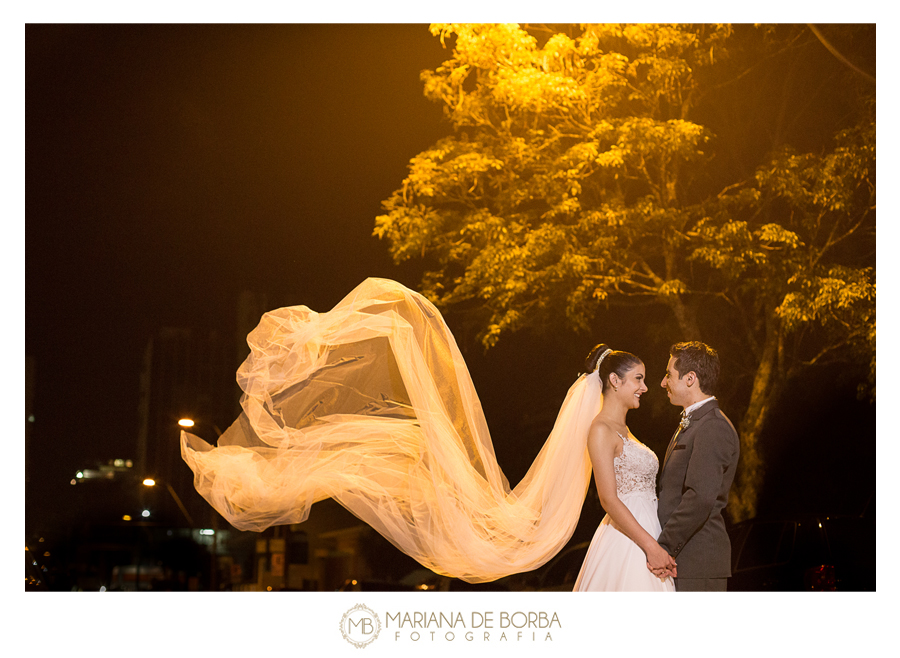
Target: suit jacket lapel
(696,415)
(704,409)
(670,448)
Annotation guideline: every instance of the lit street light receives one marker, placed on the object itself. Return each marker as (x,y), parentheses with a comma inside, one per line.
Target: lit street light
(189,422)
(185,423)
(150,482)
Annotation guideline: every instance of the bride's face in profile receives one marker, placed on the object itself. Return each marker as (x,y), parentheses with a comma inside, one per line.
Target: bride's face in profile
(632,386)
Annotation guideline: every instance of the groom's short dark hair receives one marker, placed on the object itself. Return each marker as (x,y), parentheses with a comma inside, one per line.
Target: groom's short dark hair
(699,358)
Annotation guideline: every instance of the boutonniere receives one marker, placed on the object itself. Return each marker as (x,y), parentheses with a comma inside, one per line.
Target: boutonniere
(685,422)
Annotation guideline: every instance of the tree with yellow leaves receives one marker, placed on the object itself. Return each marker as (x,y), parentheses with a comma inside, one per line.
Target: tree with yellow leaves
(579,176)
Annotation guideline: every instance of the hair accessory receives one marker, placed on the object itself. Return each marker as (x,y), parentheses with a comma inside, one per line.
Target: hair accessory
(600,360)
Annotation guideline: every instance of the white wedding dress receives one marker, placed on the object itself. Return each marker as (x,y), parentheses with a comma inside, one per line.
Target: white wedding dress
(614,563)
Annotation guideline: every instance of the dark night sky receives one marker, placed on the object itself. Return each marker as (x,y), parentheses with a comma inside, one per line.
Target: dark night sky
(168,167)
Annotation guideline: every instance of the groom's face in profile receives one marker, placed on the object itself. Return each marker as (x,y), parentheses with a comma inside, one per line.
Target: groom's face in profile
(676,387)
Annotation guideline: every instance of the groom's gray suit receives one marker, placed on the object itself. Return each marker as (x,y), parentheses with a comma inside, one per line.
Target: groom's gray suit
(693,490)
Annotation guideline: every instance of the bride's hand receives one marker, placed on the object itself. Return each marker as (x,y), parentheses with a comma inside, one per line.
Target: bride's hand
(657,556)
(671,569)
(663,573)
(659,562)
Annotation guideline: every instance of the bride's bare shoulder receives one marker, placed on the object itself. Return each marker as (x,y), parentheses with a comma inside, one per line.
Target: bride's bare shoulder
(604,445)
(602,432)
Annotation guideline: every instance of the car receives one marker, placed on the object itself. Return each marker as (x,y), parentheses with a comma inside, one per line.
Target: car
(803,553)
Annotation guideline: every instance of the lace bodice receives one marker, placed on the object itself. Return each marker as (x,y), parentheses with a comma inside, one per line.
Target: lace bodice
(635,468)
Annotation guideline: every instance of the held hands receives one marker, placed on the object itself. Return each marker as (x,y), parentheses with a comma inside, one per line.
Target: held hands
(665,572)
(660,563)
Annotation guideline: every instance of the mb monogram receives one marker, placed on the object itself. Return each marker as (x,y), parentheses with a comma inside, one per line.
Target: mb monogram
(360,626)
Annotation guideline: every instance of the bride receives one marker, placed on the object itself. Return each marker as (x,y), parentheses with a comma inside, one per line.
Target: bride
(624,548)
(371,404)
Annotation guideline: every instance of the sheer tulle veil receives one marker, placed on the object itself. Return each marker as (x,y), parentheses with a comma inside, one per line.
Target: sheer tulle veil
(372,404)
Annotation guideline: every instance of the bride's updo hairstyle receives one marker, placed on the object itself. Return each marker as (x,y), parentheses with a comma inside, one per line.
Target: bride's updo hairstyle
(617,362)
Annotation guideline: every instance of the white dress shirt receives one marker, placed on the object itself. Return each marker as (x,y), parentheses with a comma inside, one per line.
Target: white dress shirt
(689,410)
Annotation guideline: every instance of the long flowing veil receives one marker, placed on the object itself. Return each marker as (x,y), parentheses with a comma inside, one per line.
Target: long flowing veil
(372,404)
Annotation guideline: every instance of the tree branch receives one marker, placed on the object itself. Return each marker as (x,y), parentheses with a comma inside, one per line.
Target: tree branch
(747,71)
(834,51)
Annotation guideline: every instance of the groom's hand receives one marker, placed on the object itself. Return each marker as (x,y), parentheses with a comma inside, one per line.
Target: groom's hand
(672,569)
(664,573)
(665,569)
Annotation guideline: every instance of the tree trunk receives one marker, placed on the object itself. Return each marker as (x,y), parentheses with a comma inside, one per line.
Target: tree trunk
(686,319)
(767,384)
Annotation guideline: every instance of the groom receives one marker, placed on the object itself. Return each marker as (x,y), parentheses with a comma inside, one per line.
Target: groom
(697,472)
